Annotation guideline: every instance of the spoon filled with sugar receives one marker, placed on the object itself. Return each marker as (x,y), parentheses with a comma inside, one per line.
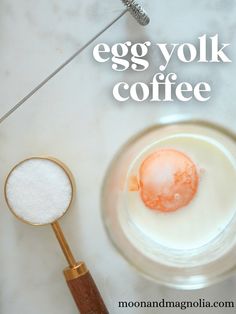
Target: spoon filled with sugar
(39,191)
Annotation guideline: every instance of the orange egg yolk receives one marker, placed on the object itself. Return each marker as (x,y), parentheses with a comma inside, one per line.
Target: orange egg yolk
(168,180)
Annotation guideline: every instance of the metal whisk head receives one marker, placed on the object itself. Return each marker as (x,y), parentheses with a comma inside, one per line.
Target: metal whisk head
(137,11)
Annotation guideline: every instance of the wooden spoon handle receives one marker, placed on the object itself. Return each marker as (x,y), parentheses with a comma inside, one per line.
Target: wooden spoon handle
(84,290)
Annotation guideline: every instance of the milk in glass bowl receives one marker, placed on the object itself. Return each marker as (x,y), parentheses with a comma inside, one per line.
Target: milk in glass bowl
(169,203)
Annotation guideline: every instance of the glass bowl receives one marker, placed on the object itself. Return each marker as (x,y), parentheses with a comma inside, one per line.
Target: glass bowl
(182,268)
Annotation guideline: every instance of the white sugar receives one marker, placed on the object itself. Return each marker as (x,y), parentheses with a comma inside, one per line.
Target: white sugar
(39,191)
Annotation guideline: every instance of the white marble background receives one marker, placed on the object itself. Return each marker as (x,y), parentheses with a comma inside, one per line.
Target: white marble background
(75,118)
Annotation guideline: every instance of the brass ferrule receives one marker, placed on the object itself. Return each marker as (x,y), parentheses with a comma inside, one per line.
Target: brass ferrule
(76,271)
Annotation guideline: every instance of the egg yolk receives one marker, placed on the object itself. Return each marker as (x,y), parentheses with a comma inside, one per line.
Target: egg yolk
(168,180)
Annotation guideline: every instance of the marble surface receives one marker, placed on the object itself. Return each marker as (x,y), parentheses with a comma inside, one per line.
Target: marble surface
(75,118)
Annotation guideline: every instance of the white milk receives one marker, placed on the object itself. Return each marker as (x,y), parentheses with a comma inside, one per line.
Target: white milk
(208,213)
